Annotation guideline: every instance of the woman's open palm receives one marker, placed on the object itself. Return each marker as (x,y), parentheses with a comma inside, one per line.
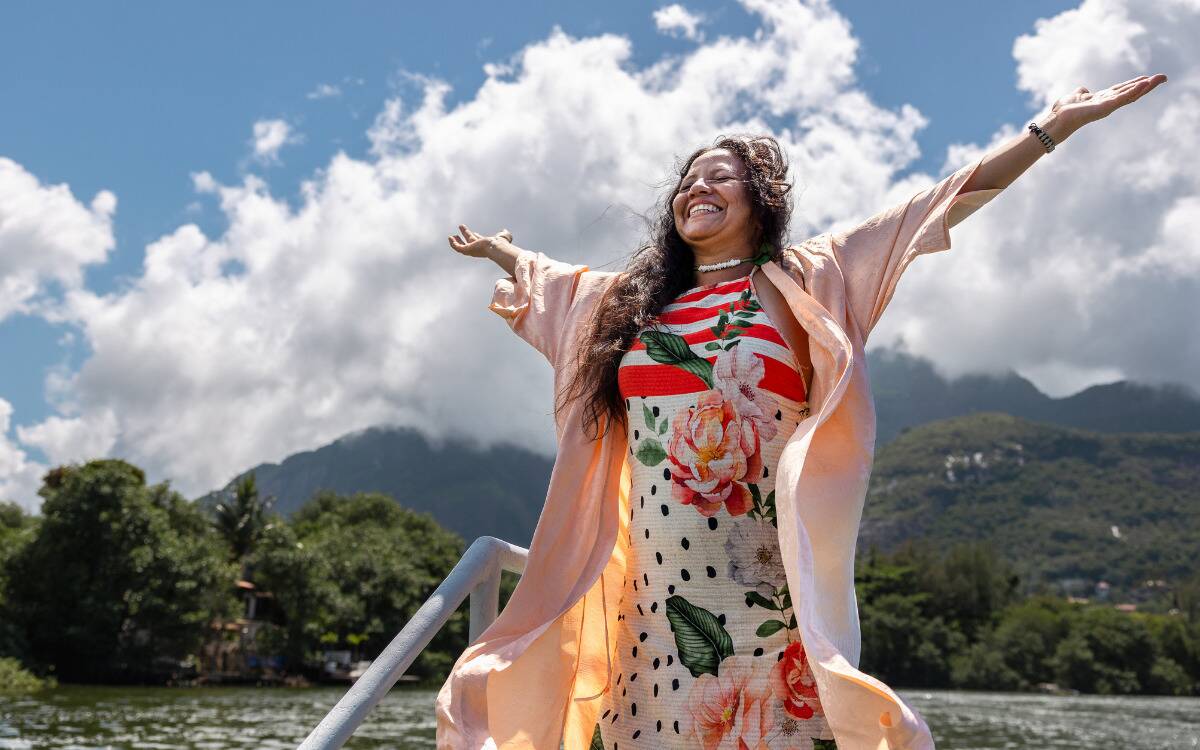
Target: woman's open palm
(467,242)
(1082,106)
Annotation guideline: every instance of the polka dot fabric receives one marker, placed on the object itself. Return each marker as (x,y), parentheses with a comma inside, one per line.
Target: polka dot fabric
(708,654)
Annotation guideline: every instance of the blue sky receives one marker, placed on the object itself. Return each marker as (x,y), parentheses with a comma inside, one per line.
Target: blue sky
(137,97)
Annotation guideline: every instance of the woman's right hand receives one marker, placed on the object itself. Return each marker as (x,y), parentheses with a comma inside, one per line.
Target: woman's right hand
(476,245)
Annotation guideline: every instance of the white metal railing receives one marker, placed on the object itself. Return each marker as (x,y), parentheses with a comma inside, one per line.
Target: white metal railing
(476,575)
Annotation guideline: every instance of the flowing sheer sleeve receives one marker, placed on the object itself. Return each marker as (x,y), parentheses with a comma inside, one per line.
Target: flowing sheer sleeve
(873,254)
(536,298)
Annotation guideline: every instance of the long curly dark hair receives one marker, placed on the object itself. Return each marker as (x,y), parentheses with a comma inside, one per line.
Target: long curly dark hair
(663,268)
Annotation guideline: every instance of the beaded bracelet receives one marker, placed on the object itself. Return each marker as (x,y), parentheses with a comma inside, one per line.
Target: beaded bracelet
(1046,140)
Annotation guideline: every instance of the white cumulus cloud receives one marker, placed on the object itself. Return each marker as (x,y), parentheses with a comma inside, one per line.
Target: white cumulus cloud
(677,20)
(300,323)
(20,477)
(270,136)
(47,237)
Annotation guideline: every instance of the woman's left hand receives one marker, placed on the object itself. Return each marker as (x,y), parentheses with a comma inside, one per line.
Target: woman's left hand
(1081,106)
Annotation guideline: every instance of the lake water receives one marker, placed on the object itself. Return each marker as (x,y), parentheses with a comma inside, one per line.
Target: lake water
(215,718)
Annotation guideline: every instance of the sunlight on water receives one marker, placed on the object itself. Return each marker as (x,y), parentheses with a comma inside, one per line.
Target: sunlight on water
(997,721)
(83,718)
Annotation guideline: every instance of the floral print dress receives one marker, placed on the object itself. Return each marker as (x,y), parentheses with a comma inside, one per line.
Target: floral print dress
(708,654)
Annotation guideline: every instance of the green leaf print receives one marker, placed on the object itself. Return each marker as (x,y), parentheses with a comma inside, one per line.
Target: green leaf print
(819,744)
(731,344)
(662,427)
(753,597)
(792,621)
(712,346)
(598,741)
(671,349)
(650,452)
(649,416)
(770,627)
(701,639)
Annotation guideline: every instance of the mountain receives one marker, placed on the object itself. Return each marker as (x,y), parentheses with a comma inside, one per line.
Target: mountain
(471,491)
(908,392)
(1059,503)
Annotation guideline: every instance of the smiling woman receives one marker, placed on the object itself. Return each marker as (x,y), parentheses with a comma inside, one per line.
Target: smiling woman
(706,595)
(691,579)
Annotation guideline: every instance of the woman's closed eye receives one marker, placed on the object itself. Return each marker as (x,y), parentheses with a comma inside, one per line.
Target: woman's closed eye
(688,186)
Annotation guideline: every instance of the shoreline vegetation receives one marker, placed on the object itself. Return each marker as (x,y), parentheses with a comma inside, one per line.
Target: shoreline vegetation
(118,582)
(15,679)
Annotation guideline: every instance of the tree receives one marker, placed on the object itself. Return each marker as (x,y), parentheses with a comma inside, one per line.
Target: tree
(359,567)
(243,519)
(16,529)
(1028,634)
(120,579)
(300,580)
(1107,652)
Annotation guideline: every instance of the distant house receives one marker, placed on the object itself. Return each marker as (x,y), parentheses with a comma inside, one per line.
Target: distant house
(231,653)
(1073,586)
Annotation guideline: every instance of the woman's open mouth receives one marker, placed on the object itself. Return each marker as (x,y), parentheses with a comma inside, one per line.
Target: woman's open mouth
(703,209)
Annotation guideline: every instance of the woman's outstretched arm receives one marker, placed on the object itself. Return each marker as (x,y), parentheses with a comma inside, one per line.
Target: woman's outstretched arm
(1006,162)
(536,298)
(873,254)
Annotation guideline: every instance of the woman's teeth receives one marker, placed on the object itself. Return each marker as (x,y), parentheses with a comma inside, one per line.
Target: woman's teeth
(703,208)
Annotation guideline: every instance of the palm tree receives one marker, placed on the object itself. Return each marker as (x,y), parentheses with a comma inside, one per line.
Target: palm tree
(242,520)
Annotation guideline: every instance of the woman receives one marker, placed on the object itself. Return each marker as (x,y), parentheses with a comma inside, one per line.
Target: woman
(690,581)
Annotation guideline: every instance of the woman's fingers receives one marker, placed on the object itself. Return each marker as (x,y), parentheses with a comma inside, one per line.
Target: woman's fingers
(469,242)
(1089,107)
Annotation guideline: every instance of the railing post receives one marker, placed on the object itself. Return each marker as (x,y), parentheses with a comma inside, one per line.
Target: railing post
(485,601)
(476,575)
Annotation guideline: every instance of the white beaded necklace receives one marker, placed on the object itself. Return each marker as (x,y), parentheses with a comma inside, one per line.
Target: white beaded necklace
(705,267)
(764,254)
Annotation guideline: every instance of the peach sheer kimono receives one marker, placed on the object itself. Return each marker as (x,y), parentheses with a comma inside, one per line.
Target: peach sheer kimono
(533,678)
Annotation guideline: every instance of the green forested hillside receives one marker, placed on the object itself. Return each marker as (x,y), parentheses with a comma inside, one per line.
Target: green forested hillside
(1066,507)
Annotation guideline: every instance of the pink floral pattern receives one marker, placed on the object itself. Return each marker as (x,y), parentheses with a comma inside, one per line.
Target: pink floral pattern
(711,452)
(716,446)
(734,710)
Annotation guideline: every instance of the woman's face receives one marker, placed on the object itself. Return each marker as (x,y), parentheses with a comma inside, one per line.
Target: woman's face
(712,204)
